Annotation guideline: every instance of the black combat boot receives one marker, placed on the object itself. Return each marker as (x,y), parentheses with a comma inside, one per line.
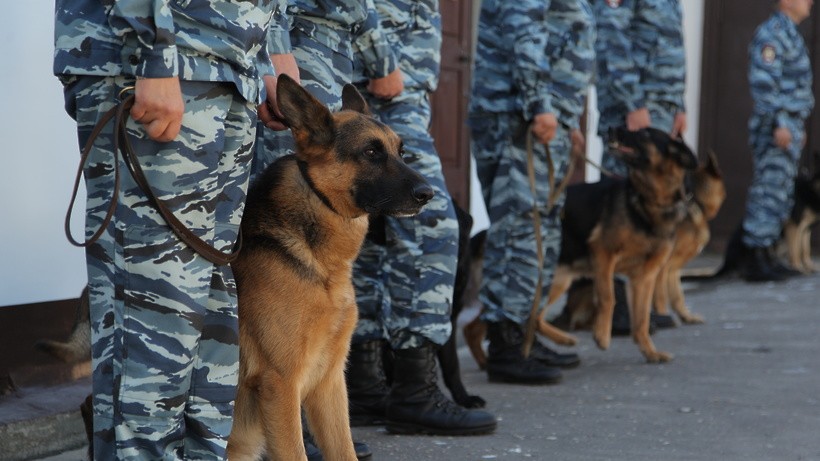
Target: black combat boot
(366,385)
(553,358)
(757,266)
(505,358)
(416,405)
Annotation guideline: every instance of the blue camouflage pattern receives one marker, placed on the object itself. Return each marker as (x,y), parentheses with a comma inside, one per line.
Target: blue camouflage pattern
(501,110)
(533,57)
(196,40)
(164,322)
(641,62)
(780,79)
(321,35)
(404,288)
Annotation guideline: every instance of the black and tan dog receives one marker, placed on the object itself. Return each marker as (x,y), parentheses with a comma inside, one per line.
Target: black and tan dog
(795,243)
(305,220)
(624,226)
(706,193)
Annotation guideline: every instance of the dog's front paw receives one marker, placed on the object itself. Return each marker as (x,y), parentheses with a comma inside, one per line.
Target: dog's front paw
(602,339)
(692,319)
(657,357)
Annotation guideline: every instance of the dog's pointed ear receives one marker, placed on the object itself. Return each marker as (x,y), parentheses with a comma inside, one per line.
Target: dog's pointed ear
(353,100)
(682,154)
(309,119)
(712,166)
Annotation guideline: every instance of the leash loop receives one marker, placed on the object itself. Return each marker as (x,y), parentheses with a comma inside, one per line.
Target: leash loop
(122,147)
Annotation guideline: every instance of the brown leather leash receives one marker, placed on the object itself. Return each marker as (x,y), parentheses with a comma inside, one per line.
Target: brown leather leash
(122,146)
(554,193)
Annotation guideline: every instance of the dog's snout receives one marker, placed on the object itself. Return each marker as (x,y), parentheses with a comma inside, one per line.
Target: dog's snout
(423,193)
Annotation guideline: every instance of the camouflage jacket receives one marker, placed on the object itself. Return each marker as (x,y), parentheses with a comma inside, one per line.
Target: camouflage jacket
(534,56)
(337,24)
(413,30)
(203,40)
(641,54)
(780,74)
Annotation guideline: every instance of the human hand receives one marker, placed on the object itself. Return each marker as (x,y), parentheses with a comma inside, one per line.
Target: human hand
(387,87)
(158,106)
(679,125)
(638,119)
(544,126)
(269,114)
(782,137)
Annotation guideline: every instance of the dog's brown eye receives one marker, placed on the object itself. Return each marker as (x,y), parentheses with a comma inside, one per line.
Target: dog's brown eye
(370,153)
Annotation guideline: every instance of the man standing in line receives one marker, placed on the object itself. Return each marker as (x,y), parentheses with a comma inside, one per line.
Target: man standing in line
(780,78)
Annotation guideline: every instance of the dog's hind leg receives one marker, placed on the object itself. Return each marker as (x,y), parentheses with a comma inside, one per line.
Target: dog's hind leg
(605,291)
(642,286)
(807,266)
(326,408)
(663,290)
(792,234)
(677,300)
(560,284)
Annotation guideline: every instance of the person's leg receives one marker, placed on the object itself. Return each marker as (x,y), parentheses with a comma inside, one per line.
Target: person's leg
(209,410)
(769,199)
(149,292)
(510,261)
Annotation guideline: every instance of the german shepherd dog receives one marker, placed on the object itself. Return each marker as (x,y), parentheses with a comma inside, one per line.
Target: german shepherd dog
(796,239)
(303,225)
(305,220)
(706,194)
(623,226)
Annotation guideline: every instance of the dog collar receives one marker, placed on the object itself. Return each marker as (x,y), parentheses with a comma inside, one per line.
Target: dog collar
(322,197)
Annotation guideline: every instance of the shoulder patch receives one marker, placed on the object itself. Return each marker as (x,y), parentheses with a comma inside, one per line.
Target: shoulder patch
(768,54)
(614,3)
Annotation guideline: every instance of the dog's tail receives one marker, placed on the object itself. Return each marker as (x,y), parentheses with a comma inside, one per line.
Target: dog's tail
(77,347)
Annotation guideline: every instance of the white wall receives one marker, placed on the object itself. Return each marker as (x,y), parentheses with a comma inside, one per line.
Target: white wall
(39,157)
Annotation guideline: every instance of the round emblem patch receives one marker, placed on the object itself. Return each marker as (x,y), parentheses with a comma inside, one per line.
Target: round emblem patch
(613,3)
(768,54)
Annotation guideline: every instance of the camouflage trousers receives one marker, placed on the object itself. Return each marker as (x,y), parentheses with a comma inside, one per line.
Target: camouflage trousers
(771,194)
(404,288)
(510,258)
(164,319)
(663,117)
(323,71)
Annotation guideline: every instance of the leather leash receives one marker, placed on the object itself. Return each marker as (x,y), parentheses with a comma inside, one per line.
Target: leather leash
(122,146)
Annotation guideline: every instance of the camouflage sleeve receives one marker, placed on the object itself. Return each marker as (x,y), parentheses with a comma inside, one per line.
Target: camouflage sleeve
(524,27)
(279,31)
(372,45)
(765,73)
(613,47)
(148,27)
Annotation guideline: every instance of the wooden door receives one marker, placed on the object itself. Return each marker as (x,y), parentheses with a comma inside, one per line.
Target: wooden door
(449,102)
(726,102)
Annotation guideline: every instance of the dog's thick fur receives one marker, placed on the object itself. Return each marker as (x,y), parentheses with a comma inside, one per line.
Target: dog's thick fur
(304,223)
(624,226)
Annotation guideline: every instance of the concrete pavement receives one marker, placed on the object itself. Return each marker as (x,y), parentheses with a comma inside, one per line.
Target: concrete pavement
(743,386)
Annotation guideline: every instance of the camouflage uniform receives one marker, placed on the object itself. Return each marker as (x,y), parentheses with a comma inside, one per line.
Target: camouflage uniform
(780,78)
(164,319)
(320,35)
(547,47)
(404,288)
(641,63)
